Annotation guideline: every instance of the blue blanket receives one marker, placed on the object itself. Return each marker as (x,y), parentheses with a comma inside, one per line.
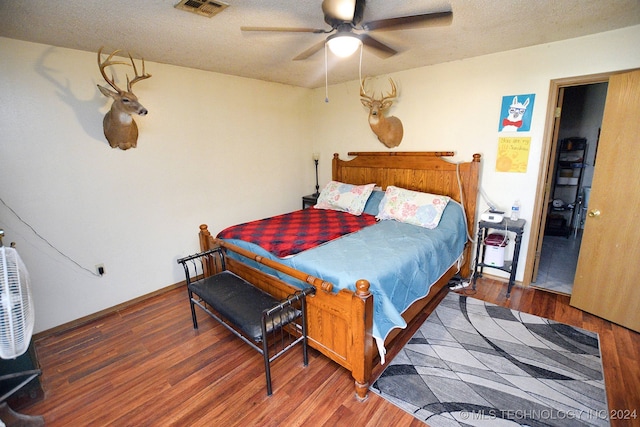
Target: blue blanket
(401,262)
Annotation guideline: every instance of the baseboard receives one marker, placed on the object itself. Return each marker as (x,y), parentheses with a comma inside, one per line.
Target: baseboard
(106,312)
(495,277)
(503,279)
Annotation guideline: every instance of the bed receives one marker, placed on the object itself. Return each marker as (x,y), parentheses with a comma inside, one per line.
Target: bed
(341,315)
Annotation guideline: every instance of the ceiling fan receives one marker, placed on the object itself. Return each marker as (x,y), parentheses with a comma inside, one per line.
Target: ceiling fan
(345,19)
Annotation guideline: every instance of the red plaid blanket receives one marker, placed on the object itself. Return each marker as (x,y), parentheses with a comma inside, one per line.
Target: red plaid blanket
(294,232)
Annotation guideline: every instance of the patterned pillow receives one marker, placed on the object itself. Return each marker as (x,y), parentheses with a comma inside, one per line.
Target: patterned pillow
(412,207)
(344,197)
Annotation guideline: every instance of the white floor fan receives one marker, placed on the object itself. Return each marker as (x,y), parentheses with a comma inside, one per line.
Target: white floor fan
(16,327)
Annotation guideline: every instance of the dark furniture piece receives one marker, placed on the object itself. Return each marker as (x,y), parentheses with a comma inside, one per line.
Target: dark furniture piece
(269,326)
(309,200)
(507,225)
(566,196)
(19,379)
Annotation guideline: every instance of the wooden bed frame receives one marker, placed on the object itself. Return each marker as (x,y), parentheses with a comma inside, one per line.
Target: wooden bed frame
(340,323)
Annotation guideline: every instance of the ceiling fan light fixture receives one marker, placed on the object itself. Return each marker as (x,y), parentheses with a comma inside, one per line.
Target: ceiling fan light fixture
(343,44)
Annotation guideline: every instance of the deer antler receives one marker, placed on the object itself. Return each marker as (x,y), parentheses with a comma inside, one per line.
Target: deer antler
(390,95)
(108,62)
(137,78)
(393,91)
(362,92)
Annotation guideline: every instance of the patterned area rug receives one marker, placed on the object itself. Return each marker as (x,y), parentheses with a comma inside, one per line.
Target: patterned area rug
(473,363)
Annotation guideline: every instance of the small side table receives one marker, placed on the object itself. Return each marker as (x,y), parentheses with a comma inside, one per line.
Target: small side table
(508,225)
(309,200)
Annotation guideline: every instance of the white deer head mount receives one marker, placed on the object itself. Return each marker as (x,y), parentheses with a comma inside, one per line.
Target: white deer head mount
(388,129)
(119,127)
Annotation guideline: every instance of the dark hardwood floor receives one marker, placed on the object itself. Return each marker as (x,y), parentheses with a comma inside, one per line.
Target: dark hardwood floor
(146,366)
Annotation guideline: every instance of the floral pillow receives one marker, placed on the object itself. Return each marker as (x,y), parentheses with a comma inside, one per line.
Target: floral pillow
(412,207)
(344,197)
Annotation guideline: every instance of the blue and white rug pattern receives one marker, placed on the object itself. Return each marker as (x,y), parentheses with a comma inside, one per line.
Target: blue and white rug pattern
(473,363)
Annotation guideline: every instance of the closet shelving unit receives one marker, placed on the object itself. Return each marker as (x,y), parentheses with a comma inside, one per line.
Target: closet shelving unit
(566,197)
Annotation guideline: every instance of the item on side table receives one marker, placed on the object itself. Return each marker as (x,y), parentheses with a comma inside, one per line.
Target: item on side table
(515,211)
(496,244)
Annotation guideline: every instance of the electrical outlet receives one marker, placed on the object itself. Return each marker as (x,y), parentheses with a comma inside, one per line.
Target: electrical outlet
(100,269)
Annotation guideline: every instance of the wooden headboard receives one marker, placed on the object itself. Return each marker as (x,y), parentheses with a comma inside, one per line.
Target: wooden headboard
(425,171)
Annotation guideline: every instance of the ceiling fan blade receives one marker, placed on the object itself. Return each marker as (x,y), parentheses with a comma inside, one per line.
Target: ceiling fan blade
(407,22)
(379,48)
(341,10)
(286,29)
(311,51)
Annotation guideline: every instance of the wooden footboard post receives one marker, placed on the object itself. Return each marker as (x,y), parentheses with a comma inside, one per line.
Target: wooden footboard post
(205,238)
(205,245)
(470,198)
(362,326)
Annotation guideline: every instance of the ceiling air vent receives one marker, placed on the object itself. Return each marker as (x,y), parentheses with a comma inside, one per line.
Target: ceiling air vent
(206,8)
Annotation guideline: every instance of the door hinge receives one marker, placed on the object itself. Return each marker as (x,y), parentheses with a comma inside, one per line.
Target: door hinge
(558,112)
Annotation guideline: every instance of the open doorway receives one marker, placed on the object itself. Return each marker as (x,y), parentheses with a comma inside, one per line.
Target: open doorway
(572,160)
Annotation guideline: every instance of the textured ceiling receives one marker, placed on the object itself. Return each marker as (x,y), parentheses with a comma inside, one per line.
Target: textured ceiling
(157,31)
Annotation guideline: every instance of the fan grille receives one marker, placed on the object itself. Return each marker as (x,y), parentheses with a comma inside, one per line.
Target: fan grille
(16,312)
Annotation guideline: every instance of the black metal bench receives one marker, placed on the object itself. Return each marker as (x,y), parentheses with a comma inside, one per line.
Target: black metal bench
(269,326)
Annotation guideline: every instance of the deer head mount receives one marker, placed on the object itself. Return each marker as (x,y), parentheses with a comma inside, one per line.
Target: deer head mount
(119,127)
(388,129)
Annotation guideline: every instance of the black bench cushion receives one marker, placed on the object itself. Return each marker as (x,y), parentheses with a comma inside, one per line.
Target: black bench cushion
(241,303)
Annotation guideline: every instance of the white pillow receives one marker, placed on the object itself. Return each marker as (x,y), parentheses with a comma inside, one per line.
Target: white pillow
(412,207)
(344,197)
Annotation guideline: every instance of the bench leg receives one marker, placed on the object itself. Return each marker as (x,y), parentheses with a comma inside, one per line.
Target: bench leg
(265,353)
(193,310)
(305,356)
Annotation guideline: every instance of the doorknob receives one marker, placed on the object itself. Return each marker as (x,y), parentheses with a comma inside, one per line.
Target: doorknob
(594,213)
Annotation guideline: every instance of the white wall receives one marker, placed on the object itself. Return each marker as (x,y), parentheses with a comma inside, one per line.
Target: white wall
(212,149)
(217,149)
(456,106)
